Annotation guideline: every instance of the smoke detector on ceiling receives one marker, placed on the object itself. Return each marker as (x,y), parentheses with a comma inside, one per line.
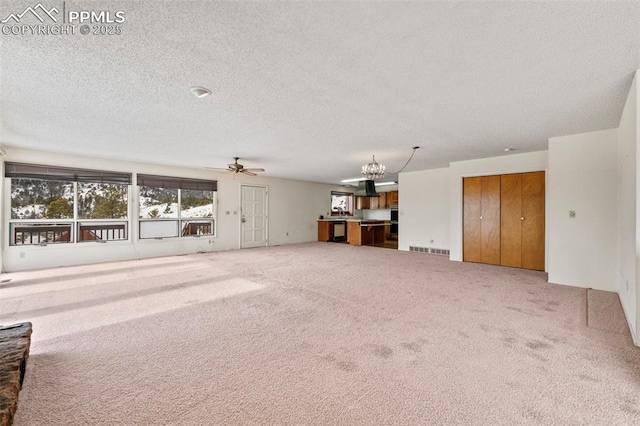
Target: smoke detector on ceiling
(200,92)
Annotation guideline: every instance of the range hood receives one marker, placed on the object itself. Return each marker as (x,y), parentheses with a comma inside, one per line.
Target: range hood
(366,188)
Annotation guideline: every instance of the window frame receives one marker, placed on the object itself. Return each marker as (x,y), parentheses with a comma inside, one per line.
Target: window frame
(350,203)
(74,223)
(178,183)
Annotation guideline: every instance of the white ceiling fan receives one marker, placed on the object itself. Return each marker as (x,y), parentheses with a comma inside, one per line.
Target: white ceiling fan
(236,167)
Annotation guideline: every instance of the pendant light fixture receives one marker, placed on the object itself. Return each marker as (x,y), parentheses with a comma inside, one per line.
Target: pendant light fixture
(373,170)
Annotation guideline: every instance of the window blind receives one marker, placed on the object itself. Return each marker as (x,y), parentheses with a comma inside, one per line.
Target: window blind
(177,182)
(68,174)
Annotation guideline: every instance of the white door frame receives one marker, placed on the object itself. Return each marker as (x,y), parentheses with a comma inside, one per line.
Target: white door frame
(266,208)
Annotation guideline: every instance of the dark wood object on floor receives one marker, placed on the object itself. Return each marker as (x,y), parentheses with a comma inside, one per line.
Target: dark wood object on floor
(504,220)
(14,351)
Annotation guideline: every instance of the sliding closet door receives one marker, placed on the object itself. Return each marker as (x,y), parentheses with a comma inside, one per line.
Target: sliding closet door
(510,219)
(533,223)
(490,220)
(472,196)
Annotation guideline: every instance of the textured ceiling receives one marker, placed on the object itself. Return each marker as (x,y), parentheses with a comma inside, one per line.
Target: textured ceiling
(311,90)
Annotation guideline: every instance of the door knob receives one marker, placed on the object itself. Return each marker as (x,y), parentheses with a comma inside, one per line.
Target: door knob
(243,219)
(522,218)
(481,217)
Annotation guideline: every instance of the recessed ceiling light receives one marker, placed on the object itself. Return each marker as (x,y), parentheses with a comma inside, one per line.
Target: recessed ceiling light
(509,149)
(200,92)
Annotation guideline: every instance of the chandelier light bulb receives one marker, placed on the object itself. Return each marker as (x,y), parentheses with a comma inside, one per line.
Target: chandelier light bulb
(373,170)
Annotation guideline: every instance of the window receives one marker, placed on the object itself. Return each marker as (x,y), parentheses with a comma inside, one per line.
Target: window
(56,205)
(102,201)
(176,207)
(41,199)
(341,203)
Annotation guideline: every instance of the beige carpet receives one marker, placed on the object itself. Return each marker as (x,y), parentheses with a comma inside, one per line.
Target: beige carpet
(604,312)
(318,334)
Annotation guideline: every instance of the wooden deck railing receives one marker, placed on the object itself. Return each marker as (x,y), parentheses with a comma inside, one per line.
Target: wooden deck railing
(104,232)
(41,234)
(197,228)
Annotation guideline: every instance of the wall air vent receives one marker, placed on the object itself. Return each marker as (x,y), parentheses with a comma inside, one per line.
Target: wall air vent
(430,250)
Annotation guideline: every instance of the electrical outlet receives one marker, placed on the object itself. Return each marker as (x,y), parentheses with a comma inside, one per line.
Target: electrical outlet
(287,234)
(572,214)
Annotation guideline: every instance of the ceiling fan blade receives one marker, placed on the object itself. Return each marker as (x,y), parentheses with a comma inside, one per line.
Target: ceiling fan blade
(237,168)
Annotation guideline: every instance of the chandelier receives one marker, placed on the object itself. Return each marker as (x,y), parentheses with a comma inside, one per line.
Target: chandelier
(373,170)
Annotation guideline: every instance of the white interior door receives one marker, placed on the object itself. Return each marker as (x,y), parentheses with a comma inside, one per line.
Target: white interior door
(254,220)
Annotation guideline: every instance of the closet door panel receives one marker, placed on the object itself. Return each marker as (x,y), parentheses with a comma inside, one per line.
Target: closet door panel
(533,207)
(490,220)
(472,196)
(510,229)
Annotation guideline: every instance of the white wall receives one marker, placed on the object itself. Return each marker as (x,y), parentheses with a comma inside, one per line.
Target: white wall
(582,176)
(514,163)
(423,210)
(294,207)
(628,140)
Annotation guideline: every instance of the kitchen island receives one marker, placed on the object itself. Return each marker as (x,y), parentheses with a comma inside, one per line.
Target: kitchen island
(357,232)
(364,232)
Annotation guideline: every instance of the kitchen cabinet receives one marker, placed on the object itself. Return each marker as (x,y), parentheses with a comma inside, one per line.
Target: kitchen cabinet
(381,202)
(363,203)
(392,198)
(331,230)
(374,203)
(325,231)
